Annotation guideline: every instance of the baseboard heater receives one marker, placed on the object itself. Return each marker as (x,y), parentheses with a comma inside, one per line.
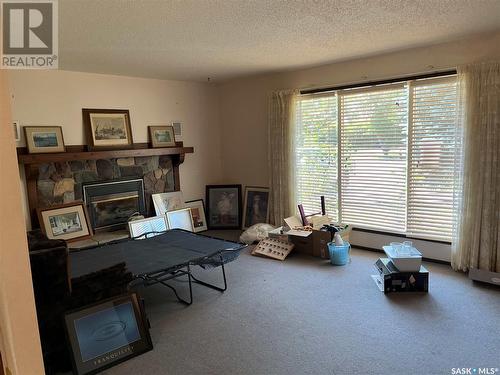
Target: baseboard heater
(484,276)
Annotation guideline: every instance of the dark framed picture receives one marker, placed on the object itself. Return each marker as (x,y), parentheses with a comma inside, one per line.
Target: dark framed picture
(224,206)
(67,222)
(198,214)
(44,139)
(162,136)
(107,333)
(107,128)
(256,206)
(111,204)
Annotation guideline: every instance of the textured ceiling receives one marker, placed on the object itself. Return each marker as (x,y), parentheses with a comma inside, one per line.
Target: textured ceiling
(222,39)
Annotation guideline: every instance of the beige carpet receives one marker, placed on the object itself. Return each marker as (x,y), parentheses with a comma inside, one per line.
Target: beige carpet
(304,316)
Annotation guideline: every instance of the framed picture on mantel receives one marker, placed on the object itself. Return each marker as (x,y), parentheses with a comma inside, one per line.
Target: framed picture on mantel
(162,136)
(107,128)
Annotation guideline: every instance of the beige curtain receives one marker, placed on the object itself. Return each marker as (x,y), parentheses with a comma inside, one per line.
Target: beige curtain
(281,125)
(477,238)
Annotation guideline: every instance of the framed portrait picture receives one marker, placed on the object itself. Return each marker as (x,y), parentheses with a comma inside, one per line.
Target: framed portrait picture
(107,333)
(197,214)
(148,227)
(180,219)
(223,206)
(107,128)
(164,202)
(44,139)
(256,206)
(162,136)
(67,222)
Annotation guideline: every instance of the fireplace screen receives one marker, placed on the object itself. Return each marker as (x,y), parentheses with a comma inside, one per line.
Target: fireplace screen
(111,204)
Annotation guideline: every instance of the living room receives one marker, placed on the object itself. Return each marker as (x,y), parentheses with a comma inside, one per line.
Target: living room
(248,91)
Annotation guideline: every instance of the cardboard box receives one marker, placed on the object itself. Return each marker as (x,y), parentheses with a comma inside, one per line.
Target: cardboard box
(315,244)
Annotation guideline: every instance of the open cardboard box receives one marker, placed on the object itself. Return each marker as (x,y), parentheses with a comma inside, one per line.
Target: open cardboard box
(315,244)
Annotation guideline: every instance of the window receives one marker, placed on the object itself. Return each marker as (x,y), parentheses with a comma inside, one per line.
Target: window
(383,156)
(315,141)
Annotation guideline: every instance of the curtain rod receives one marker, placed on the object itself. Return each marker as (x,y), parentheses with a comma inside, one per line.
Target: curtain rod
(382,82)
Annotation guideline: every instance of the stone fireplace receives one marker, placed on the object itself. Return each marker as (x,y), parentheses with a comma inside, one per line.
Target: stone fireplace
(58,178)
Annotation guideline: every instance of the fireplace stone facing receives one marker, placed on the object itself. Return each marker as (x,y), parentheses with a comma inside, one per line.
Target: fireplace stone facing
(61,182)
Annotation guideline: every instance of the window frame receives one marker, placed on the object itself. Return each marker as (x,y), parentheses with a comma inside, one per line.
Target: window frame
(338,91)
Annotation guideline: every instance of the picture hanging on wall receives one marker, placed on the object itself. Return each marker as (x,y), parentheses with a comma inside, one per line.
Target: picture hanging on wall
(162,136)
(224,206)
(256,206)
(44,139)
(107,128)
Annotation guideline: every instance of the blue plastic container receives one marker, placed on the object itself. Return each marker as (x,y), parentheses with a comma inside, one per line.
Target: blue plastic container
(339,255)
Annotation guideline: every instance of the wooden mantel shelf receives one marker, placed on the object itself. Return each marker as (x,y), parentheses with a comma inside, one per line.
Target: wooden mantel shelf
(72,154)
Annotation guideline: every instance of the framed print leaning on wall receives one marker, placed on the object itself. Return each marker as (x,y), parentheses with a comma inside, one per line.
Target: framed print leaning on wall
(67,222)
(256,206)
(44,139)
(107,128)
(198,214)
(224,206)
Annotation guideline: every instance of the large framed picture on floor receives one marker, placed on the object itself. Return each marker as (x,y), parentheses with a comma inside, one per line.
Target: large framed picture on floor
(107,333)
(224,206)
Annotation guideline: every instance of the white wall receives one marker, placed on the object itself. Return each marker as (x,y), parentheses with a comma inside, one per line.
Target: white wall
(57,98)
(243,104)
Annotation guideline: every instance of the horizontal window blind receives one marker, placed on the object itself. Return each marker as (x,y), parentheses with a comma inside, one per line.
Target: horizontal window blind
(373,157)
(316,153)
(432,158)
(383,156)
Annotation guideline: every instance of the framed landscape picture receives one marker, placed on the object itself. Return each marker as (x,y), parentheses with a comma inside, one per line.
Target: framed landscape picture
(198,214)
(256,206)
(162,136)
(67,222)
(107,333)
(107,128)
(224,206)
(44,139)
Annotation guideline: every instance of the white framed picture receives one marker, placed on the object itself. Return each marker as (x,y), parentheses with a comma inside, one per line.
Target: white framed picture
(139,229)
(164,202)
(198,215)
(180,219)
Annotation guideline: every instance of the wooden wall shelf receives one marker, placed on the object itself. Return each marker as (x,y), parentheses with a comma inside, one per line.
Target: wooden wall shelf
(77,153)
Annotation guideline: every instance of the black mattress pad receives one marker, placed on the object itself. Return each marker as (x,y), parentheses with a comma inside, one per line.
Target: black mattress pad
(170,250)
